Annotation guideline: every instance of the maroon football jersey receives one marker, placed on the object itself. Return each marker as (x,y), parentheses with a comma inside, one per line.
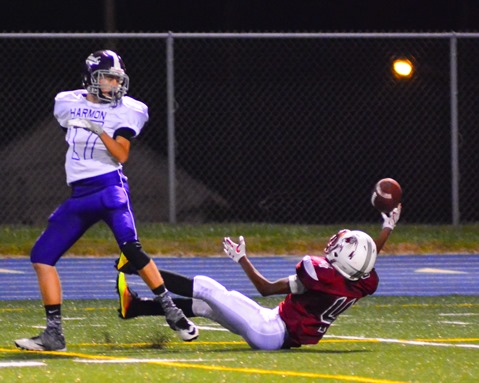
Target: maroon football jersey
(308,315)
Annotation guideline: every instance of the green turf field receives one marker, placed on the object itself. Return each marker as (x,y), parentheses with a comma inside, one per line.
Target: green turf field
(381,339)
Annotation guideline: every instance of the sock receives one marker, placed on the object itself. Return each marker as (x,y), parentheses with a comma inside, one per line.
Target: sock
(54,317)
(151,307)
(159,290)
(179,284)
(185,305)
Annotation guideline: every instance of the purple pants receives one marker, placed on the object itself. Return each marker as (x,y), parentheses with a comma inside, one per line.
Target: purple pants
(101,198)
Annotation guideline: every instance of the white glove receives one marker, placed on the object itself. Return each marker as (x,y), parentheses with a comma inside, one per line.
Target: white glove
(233,250)
(85,124)
(390,220)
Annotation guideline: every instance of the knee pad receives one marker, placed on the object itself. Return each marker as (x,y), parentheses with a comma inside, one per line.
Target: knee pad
(135,254)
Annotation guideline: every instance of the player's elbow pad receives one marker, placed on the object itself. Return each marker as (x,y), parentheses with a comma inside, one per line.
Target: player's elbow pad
(295,285)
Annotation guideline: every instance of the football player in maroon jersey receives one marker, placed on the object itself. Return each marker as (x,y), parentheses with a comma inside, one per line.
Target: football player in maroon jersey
(320,290)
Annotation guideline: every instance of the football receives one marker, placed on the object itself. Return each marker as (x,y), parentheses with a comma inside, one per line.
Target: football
(386,195)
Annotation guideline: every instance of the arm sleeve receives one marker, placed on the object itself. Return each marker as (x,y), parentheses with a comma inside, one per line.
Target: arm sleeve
(127,133)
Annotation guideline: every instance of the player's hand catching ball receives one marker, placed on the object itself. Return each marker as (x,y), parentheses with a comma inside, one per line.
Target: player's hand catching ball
(390,220)
(234,250)
(85,124)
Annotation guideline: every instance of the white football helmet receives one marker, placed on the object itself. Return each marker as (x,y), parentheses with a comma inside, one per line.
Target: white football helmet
(351,252)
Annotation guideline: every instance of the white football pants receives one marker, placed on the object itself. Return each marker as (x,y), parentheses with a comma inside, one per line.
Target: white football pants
(262,328)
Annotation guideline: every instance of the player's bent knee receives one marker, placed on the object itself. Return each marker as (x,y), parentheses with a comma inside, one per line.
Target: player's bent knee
(135,255)
(37,256)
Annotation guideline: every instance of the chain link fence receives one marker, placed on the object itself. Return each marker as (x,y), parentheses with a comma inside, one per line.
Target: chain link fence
(278,128)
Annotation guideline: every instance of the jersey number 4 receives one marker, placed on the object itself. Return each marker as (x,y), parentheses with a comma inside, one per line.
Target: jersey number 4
(332,312)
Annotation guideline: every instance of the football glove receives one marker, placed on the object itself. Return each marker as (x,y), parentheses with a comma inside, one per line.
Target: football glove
(234,250)
(390,220)
(85,124)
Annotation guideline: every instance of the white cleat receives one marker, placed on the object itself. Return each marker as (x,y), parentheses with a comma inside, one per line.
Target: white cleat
(46,341)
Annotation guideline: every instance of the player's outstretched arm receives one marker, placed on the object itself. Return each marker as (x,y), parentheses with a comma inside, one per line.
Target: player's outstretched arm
(389,223)
(237,252)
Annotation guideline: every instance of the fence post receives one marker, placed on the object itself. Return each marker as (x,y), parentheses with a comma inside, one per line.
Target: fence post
(170,112)
(454,134)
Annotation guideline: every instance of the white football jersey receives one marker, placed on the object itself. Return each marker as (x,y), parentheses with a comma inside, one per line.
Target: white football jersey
(87,156)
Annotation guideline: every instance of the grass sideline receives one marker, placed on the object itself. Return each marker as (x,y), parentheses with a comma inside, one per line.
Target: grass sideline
(380,340)
(261,239)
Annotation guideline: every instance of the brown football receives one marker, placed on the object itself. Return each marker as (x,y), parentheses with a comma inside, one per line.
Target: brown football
(386,195)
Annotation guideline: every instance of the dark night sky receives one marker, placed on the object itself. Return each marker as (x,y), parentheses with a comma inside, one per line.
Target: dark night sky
(242,16)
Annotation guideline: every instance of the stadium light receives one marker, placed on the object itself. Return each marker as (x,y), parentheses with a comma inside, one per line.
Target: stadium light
(402,68)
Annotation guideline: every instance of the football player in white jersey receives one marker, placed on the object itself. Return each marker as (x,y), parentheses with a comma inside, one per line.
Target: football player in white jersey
(99,122)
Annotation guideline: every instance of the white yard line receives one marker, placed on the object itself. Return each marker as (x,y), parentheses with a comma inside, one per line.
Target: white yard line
(404,341)
(21,364)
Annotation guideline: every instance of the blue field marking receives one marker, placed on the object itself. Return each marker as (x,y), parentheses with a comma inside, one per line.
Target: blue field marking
(94,278)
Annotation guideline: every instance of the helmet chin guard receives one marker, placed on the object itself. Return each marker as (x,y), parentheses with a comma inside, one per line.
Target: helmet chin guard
(105,64)
(352,253)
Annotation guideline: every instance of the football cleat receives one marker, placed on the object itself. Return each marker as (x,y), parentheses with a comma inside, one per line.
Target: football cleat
(124,293)
(127,298)
(178,322)
(122,264)
(48,340)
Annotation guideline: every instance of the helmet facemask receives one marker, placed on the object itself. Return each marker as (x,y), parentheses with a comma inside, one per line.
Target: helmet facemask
(106,93)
